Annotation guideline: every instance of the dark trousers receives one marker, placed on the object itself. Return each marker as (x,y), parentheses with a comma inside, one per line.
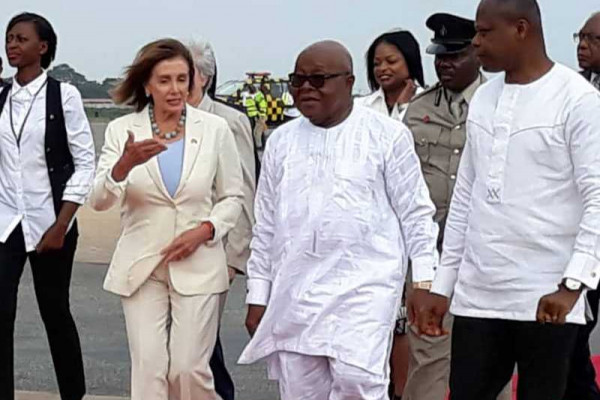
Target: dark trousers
(581,384)
(485,351)
(51,278)
(223,382)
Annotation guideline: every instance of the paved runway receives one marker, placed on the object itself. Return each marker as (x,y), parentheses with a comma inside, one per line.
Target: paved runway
(102,328)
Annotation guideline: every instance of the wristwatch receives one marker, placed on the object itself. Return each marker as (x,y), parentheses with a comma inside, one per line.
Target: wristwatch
(572,285)
(425,285)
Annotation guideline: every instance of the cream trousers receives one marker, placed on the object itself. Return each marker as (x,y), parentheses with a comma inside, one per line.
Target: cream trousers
(171,339)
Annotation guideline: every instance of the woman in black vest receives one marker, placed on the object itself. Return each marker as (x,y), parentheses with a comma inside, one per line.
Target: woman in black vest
(46,171)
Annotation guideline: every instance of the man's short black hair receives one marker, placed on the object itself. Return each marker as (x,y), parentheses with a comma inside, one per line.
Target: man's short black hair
(44,31)
(528,9)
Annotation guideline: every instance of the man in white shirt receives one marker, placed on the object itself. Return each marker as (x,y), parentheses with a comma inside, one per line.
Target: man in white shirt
(341,204)
(522,240)
(437,119)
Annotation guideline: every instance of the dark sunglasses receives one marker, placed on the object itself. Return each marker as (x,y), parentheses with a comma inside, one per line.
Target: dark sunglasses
(317,80)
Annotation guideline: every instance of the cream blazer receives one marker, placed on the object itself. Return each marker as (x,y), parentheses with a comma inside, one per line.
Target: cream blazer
(210,189)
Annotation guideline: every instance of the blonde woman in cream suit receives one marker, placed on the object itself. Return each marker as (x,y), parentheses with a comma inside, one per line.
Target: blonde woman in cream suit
(175,172)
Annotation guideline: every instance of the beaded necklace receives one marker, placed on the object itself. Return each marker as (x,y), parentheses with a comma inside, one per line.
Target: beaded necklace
(166,135)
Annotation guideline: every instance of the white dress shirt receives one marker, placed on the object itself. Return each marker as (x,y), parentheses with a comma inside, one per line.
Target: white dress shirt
(25,191)
(526,207)
(376,101)
(337,212)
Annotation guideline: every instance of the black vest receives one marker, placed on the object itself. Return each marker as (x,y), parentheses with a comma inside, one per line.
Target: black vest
(59,160)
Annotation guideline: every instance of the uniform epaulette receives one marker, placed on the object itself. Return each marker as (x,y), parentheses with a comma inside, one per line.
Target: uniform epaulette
(430,89)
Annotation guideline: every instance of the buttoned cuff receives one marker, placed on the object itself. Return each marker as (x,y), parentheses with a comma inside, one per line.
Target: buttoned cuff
(259,292)
(444,282)
(584,268)
(423,268)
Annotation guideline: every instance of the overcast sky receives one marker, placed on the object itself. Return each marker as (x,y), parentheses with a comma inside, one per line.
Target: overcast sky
(99,37)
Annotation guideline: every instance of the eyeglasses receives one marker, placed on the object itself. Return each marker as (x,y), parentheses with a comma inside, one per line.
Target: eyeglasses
(588,37)
(317,80)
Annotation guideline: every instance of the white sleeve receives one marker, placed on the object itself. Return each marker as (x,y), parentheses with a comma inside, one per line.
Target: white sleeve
(259,265)
(583,128)
(81,145)
(456,225)
(228,187)
(409,196)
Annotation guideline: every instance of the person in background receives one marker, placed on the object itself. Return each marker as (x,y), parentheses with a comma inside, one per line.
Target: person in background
(260,98)
(437,119)
(248,96)
(46,172)
(289,111)
(175,172)
(395,74)
(238,240)
(521,242)
(588,50)
(2,83)
(582,375)
(249,103)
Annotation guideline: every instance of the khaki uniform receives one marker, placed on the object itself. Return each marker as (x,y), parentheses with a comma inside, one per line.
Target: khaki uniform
(439,130)
(440,139)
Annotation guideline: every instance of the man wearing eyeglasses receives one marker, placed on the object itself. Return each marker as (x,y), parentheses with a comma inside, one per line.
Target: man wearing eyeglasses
(588,49)
(581,384)
(341,204)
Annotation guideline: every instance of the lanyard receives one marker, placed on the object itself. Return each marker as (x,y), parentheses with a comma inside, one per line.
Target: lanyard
(12,125)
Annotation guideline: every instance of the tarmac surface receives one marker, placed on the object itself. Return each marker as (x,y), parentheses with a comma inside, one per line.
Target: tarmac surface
(102,329)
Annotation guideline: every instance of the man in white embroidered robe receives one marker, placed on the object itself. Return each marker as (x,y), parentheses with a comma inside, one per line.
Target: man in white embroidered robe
(341,205)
